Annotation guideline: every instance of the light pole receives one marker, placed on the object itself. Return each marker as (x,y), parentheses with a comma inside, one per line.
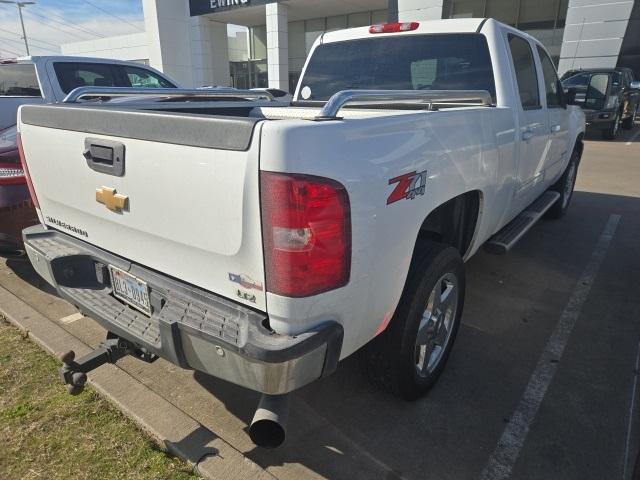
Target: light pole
(20,6)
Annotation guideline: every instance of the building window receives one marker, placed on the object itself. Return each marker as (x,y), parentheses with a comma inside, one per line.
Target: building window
(379,16)
(466,9)
(302,36)
(259,42)
(359,20)
(505,11)
(336,23)
(312,30)
(543,19)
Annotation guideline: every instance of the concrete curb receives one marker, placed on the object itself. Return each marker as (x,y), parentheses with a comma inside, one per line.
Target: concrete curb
(170,427)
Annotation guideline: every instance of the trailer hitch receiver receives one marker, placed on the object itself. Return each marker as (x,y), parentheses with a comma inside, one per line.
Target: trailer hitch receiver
(74,372)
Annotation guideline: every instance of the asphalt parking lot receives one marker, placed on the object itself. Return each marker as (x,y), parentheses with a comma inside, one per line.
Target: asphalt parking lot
(539,385)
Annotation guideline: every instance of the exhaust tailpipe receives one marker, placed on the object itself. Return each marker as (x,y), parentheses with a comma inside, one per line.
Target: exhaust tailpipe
(268,428)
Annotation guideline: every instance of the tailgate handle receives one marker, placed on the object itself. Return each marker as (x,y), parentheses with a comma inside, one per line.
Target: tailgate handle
(104,156)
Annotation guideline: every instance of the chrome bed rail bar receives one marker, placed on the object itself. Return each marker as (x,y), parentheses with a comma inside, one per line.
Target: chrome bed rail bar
(87,92)
(457,98)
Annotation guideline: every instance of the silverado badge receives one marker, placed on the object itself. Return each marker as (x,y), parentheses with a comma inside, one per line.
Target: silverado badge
(110,199)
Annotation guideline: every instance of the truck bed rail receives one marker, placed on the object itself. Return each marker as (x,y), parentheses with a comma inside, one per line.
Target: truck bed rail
(428,97)
(87,92)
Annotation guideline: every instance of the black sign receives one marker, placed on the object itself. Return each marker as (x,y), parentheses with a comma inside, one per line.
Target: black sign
(202,7)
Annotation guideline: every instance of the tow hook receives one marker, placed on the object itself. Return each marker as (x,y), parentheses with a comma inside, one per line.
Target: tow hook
(74,372)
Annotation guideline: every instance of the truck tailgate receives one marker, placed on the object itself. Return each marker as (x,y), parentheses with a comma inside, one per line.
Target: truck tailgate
(190,190)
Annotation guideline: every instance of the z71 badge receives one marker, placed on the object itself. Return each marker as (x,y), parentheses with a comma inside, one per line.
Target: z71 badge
(408,187)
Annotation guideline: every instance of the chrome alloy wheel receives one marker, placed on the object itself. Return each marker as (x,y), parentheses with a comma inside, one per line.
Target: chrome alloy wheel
(568,184)
(436,325)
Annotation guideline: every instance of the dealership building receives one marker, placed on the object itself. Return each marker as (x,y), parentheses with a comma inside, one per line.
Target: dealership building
(260,43)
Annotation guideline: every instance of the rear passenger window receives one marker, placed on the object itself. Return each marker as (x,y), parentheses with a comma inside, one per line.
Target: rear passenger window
(73,75)
(526,75)
(554,96)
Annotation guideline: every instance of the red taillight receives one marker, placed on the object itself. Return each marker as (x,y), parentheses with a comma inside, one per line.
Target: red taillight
(306,227)
(394,27)
(23,160)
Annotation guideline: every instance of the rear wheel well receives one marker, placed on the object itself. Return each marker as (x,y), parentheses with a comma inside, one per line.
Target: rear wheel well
(454,222)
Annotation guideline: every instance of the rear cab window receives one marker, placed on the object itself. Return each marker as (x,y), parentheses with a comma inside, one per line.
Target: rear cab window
(449,61)
(72,75)
(19,80)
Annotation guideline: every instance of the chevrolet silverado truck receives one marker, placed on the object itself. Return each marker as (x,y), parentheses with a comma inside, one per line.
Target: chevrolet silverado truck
(262,243)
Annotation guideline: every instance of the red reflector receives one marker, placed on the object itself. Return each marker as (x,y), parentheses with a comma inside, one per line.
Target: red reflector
(23,160)
(306,223)
(394,27)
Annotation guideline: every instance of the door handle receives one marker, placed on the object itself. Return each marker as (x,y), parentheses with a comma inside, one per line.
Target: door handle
(555,128)
(527,135)
(104,156)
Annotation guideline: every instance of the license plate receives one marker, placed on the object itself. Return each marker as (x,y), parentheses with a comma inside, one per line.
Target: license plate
(130,289)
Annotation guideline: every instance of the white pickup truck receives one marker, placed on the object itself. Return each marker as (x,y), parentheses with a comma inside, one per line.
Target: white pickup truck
(263,243)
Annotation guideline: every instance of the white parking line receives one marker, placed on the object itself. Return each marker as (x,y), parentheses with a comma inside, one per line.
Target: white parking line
(633,139)
(504,457)
(631,411)
(72,318)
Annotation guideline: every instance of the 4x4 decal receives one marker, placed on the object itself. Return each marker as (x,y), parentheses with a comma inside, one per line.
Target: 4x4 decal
(408,187)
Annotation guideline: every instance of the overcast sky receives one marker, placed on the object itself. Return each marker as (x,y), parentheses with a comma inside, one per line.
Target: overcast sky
(50,23)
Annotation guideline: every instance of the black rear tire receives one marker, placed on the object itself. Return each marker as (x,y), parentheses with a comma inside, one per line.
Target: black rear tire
(390,359)
(564,186)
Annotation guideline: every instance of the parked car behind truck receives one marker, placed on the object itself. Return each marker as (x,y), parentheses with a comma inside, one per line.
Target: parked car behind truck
(37,80)
(610,97)
(263,243)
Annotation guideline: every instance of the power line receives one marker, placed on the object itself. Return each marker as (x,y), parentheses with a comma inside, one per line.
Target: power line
(48,25)
(49,19)
(32,39)
(112,14)
(11,52)
(10,40)
(77,27)
(20,43)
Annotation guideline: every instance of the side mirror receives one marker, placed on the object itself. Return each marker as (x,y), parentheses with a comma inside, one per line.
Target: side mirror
(635,85)
(570,95)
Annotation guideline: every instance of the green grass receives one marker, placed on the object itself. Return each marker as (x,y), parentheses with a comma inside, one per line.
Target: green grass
(46,433)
